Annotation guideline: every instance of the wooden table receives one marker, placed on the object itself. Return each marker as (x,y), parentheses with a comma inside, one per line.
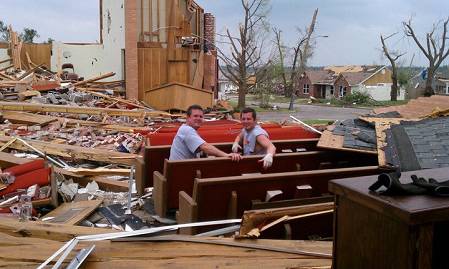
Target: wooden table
(377,231)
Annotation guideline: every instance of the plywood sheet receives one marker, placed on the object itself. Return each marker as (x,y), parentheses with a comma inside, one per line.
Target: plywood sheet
(73,213)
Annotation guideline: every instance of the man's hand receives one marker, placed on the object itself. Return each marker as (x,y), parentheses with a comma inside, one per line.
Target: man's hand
(236,147)
(235,157)
(267,161)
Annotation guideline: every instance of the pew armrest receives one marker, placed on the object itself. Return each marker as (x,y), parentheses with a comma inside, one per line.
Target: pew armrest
(160,193)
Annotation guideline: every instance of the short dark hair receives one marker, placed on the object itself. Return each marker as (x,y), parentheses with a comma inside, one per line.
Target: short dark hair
(249,110)
(192,107)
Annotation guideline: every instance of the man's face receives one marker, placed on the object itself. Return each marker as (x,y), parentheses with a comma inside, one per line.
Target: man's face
(248,121)
(195,120)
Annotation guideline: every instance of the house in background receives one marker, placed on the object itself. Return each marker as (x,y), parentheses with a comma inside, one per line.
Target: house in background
(316,83)
(442,86)
(339,81)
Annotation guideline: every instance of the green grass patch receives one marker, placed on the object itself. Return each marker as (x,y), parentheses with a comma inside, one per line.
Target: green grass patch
(318,122)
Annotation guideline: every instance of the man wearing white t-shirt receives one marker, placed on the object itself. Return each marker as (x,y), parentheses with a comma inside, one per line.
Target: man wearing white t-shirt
(254,139)
(187,143)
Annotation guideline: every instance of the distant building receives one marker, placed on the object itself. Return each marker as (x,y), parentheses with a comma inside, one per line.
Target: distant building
(339,81)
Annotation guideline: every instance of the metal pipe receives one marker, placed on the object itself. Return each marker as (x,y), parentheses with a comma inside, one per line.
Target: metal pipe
(305,124)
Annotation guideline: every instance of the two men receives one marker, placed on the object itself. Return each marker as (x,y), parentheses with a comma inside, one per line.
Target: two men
(187,143)
(254,139)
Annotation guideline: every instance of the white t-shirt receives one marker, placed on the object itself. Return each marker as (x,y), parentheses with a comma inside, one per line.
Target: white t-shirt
(250,140)
(185,144)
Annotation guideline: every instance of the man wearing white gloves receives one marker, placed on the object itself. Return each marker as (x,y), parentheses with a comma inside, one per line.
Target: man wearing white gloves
(254,139)
(187,142)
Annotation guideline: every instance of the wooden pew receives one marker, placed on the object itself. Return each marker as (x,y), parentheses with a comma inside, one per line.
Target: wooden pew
(154,156)
(179,175)
(228,197)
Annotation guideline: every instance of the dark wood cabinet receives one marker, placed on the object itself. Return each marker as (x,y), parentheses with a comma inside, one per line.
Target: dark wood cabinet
(377,231)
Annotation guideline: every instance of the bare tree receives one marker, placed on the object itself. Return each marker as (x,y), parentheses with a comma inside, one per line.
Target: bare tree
(435,50)
(300,54)
(392,56)
(245,60)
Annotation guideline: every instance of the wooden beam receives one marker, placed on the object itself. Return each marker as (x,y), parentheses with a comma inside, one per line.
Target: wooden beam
(6,76)
(110,74)
(74,152)
(111,98)
(50,231)
(33,119)
(255,218)
(103,182)
(8,160)
(18,106)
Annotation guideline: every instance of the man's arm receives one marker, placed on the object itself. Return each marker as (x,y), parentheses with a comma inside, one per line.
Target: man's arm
(213,151)
(271,150)
(236,145)
(266,143)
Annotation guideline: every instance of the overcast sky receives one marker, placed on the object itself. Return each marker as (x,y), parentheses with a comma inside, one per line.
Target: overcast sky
(352,26)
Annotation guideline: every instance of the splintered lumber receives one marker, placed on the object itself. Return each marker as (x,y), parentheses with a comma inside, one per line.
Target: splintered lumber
(167,254)
(104,183)
(33,119)
(51,231)
(107,97)
(219,241)
(75,152)
(26,94)
(72,213)
(21,106)
(110,74)
(18,106)
(255,218)
(99,171)
(8,160)
(6,76)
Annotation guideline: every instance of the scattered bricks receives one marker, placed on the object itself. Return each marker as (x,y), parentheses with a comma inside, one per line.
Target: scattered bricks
(22,128)
(71,141)
(52,98)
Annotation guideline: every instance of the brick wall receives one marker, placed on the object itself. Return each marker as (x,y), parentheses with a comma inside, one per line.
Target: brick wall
(209,31)
(300,89)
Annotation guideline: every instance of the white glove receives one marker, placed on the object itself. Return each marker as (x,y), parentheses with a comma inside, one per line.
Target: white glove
(267,160)
(236,147)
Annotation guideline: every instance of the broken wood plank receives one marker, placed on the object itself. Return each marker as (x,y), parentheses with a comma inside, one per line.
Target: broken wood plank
(33,119)
(110,74)
(72,213)
(6,76)
(168,254)
(27,94)
(104,183)
(74,152)
(255,218)
(7,160)
(107,97)
(51,231)
(21,106)
(99,171)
